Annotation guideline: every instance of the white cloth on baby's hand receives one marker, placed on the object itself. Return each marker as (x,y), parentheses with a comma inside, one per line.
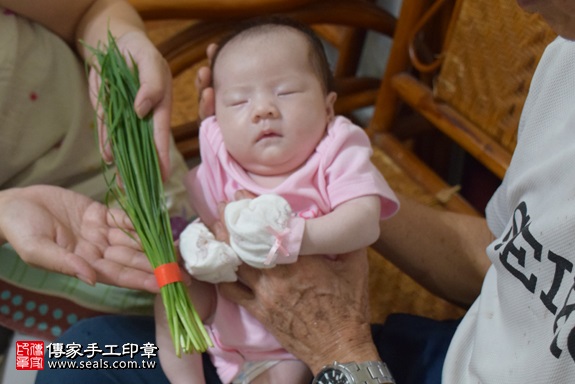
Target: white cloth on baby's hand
(263,231)
(206,258)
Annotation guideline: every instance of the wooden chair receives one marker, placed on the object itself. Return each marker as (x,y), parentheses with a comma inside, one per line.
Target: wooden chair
(472,90)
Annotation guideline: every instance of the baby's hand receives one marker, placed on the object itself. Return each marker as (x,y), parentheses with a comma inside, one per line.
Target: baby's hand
(263,231)
(206,258)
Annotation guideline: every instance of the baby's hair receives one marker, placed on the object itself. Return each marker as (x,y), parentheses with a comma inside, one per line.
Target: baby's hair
(261,25)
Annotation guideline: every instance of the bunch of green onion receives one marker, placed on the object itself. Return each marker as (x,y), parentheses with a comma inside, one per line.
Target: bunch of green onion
(142,194)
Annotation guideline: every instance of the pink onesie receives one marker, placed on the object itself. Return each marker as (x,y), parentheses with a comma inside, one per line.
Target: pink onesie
(339,170)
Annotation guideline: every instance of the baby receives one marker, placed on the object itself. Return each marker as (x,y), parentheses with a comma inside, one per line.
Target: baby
(274,134)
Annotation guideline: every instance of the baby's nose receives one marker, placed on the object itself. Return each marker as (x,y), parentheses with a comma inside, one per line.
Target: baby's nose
(265,109)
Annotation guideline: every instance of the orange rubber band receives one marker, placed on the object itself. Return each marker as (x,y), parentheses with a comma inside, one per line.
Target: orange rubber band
(167,274)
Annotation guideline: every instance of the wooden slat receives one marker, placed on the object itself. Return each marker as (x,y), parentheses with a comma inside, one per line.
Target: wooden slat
(475,141)
(387,99)
(211,9)
(420,173)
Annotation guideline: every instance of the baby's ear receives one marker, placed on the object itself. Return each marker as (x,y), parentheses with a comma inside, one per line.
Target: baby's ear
(329,104)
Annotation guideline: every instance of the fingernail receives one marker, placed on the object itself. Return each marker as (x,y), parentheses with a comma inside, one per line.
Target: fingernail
(218,228)
(144,108)
(85,279)
(152,285)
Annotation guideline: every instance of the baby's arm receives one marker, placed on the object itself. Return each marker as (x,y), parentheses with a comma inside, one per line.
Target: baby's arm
(187,368)
(264,231)
(349,227)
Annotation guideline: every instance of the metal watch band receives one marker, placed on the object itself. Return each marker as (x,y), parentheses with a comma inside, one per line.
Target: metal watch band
(370,372)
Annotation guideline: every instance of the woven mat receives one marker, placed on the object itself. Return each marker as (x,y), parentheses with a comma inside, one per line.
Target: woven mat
(488,84)
(391,291)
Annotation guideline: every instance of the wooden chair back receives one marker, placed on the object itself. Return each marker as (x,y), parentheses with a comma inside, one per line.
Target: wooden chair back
(343,23)
(473,90)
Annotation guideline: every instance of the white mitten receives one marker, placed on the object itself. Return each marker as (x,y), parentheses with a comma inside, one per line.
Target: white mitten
(263,231)
(205,258)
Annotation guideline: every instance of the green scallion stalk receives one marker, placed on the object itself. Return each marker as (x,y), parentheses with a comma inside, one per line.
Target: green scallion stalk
(142,194)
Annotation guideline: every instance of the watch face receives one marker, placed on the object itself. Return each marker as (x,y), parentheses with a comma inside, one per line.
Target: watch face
(332,376)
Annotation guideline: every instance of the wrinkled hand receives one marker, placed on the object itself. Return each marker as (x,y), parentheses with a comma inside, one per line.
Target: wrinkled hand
(155,94)
(203,84)
(317,308)
(63,231)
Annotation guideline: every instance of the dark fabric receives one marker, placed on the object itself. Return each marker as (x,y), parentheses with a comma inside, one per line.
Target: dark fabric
(112,330)
(413,347)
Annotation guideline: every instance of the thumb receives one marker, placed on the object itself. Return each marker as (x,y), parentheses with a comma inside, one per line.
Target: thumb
(237,293)
(220,232)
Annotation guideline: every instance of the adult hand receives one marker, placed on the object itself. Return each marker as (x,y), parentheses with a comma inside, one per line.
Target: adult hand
(63,231)
(154,95)
(203,82)
(317,308)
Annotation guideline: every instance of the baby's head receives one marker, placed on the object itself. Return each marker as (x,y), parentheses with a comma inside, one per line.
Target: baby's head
(274,97)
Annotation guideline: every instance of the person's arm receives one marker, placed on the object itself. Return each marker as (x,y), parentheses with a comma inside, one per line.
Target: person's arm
(66,232)
(350,226)
(154,73)
(443,251)
(73,20)
(59,16)
(82,23)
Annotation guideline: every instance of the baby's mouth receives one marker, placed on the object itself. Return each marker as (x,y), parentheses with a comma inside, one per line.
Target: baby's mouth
(267,134)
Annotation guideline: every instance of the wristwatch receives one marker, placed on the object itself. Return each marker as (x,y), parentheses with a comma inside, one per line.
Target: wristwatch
(368,372)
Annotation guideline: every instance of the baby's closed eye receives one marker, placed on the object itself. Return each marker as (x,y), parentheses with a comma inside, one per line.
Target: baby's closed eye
(288,92)
(235,102)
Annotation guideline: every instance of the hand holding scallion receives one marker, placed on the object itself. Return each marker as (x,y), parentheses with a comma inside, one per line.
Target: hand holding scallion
(154,93)
(131,140)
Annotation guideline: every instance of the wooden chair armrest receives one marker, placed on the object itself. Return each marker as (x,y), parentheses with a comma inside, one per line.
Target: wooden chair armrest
(475,141)
(421,174)
(211,9)
(357,13)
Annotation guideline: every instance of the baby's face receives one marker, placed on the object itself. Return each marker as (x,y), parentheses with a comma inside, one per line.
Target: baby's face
(270,104)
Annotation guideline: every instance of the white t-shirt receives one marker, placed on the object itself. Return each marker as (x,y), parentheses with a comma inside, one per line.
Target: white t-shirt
(522,327)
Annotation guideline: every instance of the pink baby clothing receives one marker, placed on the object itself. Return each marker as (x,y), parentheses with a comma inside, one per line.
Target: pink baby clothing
(339,170)
(239,338)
